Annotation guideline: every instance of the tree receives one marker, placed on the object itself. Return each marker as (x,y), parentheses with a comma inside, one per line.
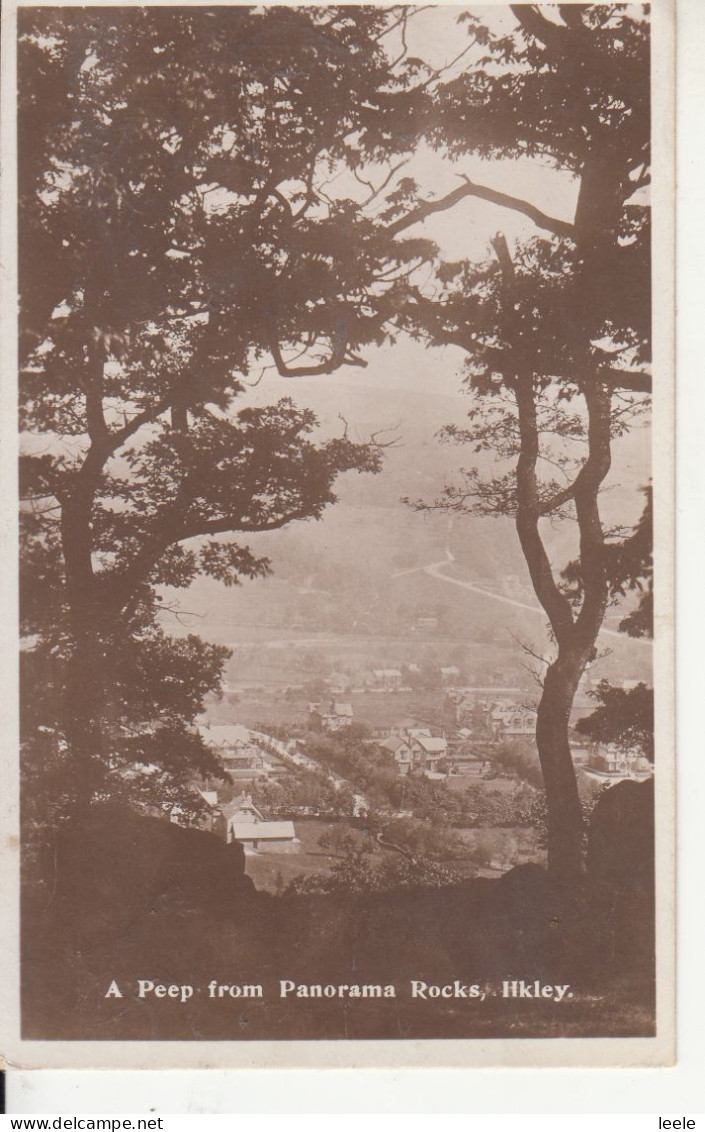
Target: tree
(340,841)
(556,330)
(172,171)
(625,716)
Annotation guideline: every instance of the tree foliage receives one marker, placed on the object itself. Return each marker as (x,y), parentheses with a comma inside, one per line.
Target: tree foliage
(556,329)
(624,717)
(357,874)
(177,170)
(172,169)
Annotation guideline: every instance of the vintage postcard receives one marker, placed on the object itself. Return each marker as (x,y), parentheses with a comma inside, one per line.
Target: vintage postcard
(341,338)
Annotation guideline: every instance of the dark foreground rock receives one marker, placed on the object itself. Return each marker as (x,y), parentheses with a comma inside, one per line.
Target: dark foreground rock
(179,911)
(621,835)
(118,868)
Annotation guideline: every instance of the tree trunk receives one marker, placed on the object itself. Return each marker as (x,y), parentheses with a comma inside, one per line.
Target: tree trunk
(575,635)
(576,646)
(565,822)
(85,687)
(84,711)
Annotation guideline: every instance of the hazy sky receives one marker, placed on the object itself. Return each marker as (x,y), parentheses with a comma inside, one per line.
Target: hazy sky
(416,390)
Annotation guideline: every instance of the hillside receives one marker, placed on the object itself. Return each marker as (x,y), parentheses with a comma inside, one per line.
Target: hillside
(361,571)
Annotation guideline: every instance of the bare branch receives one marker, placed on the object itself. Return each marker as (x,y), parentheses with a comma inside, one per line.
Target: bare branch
(558,500)
(233,525)
(436,74)
(481,192)
(361,181)
(147,416)
(528,511)
(310,197)
(403,23)
(336,357)
(529,651)
(537,674)
(632,380)
(406,11)
(535,24)
(374,192)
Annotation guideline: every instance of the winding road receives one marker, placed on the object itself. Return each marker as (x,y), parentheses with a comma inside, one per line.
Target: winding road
(435,570)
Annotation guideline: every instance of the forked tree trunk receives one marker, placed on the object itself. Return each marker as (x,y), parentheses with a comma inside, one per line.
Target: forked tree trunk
(576,636)
(575,632)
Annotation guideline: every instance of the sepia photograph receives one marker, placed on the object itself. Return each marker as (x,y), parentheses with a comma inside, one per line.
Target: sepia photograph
(346,642)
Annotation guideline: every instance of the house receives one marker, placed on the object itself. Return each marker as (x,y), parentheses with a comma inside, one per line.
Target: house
(499,717)
(525,730)
(468,709)
(246,825)
(398,746)
(234,744)
(209,817)
(614,764)
(402,726)
(387,679)
(414,748)
(343,713)
(509,722)
(477,706)
(224,734)
(333,718)
(426,750)
(265,836)
(241,809)
(417,732)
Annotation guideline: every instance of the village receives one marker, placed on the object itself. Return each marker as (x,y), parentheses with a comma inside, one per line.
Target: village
(461,786)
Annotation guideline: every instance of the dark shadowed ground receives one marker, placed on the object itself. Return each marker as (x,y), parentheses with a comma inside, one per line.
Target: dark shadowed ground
(137,898)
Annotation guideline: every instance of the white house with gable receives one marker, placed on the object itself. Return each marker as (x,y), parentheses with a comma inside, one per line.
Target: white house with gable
(245,824)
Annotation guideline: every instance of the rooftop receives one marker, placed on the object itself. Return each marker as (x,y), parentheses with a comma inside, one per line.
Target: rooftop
(393,742)
(241,803)
(432,745)
(264,831)
(226,734)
